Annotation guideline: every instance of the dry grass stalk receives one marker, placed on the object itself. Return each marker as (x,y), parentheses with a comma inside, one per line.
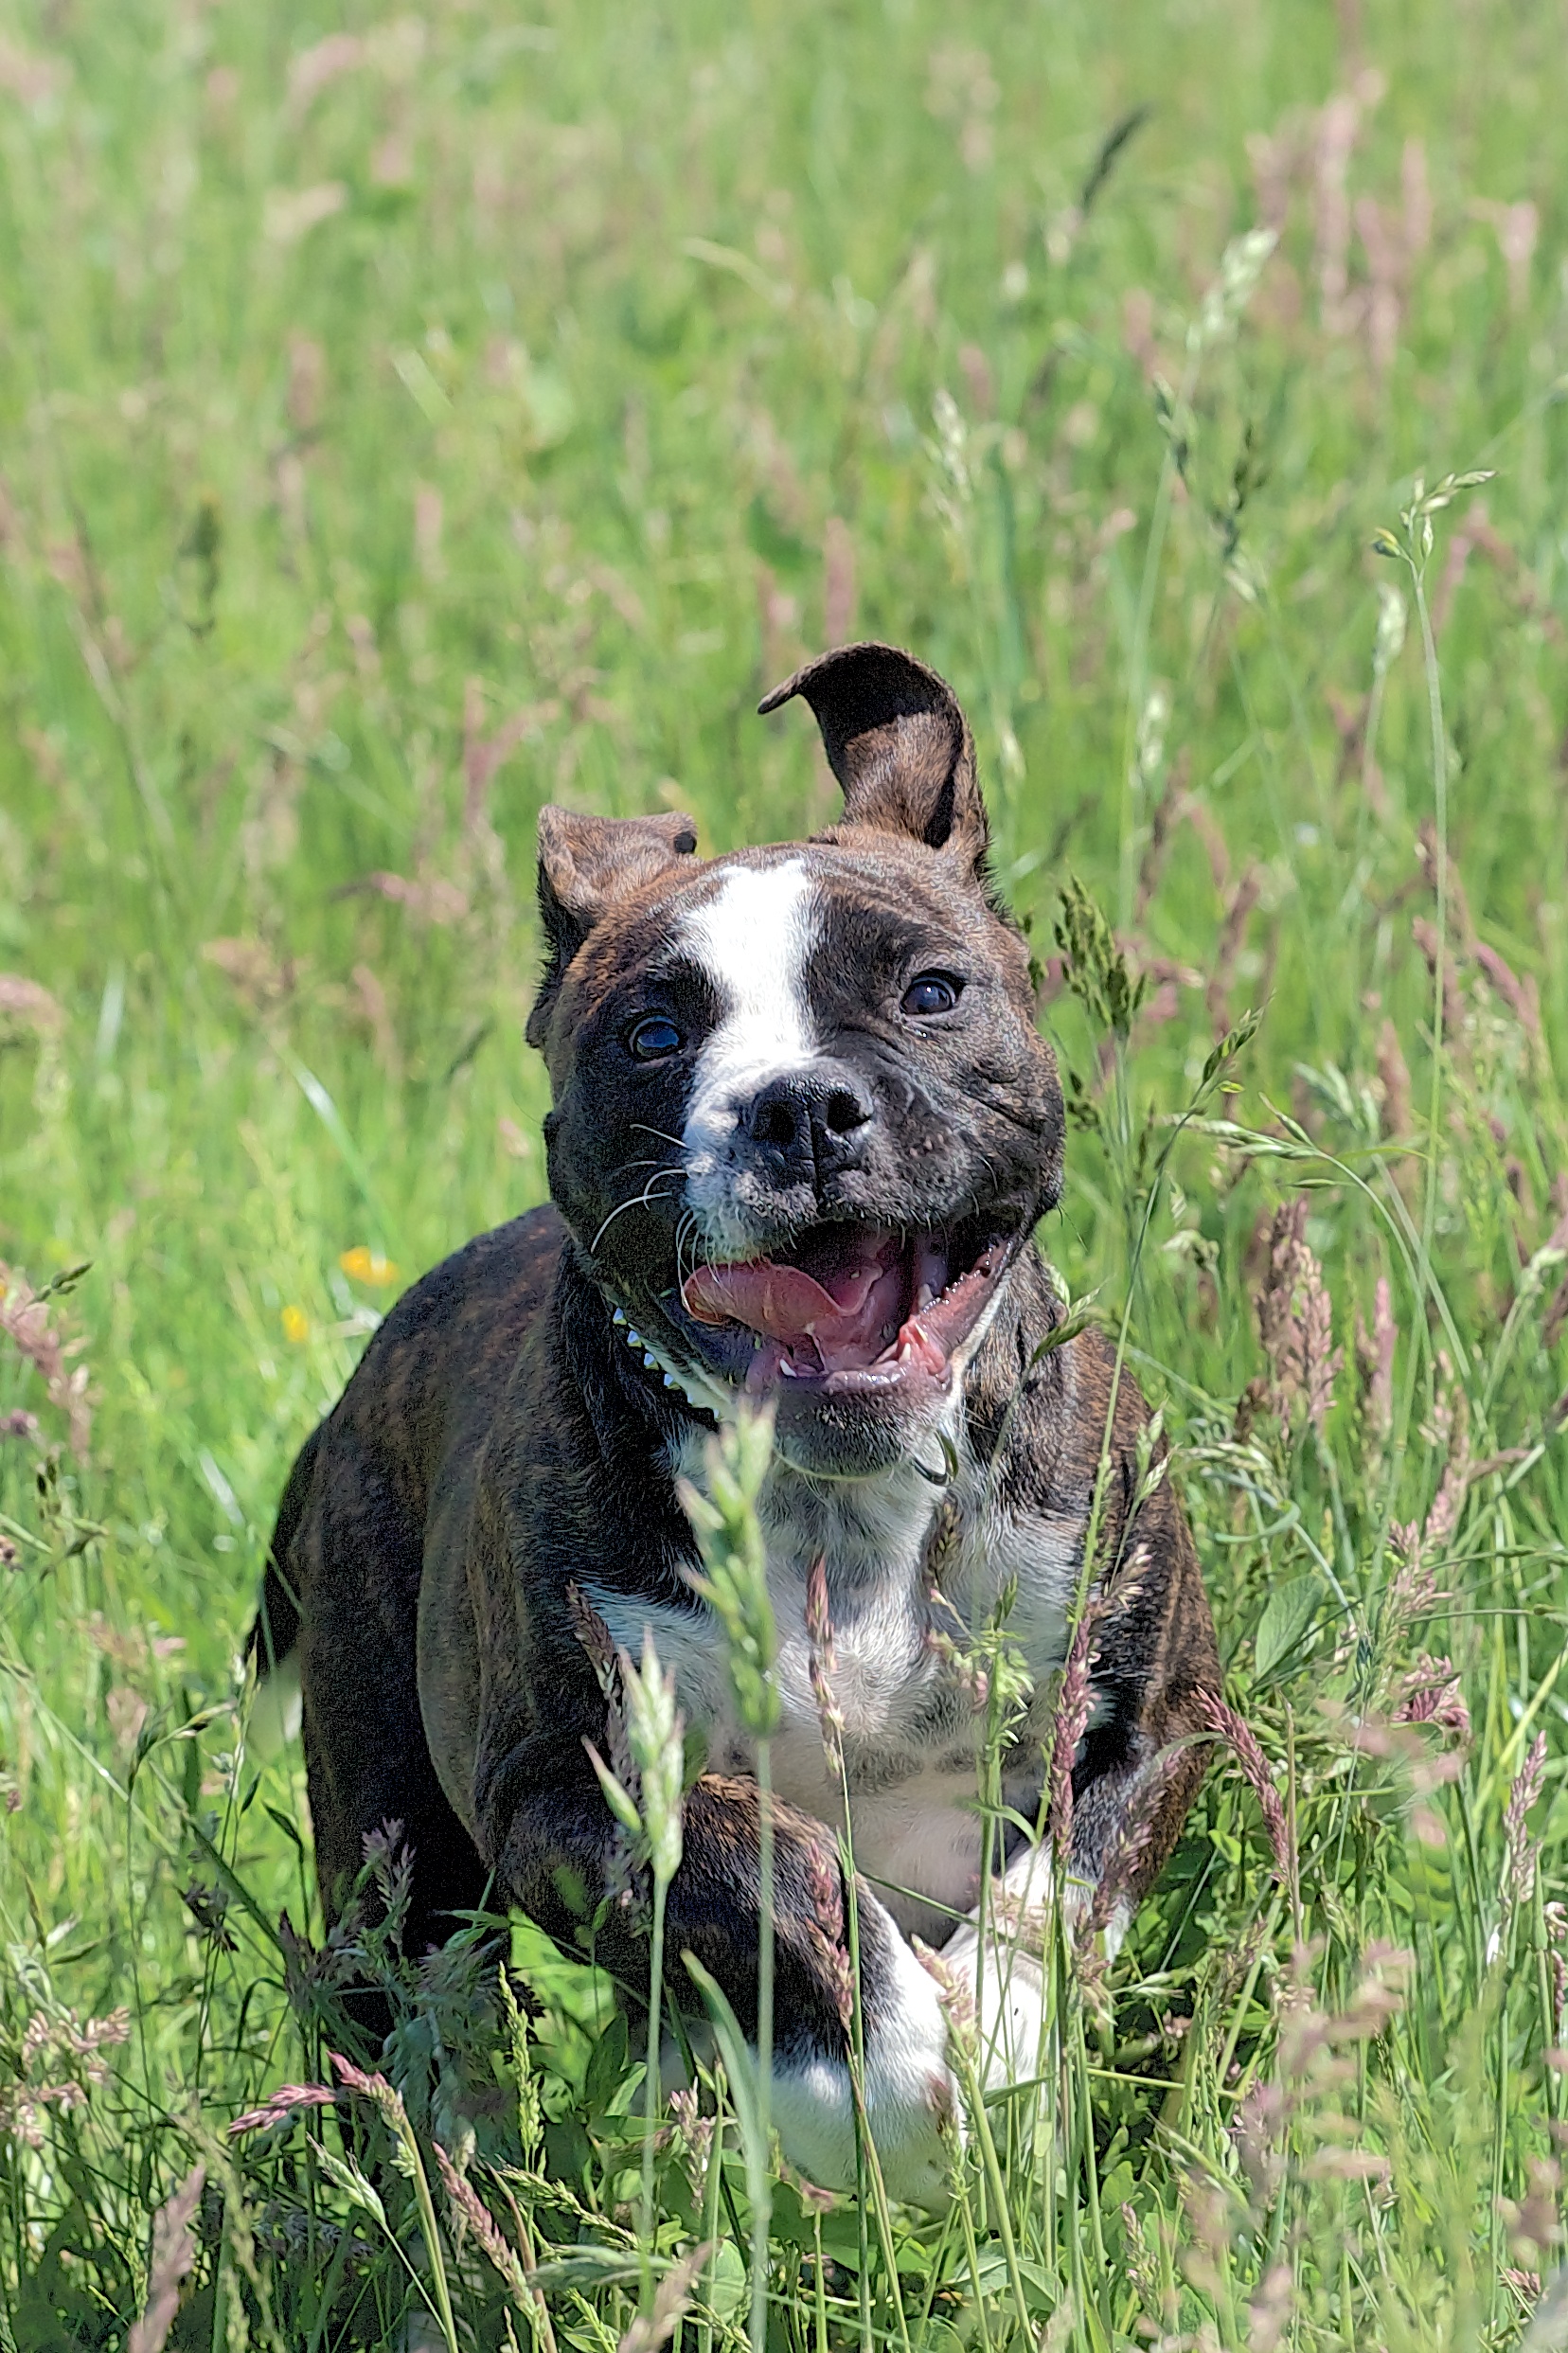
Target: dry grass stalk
(173,2253)
(374,2088)
(282,2105)
(957,1997)
(694,2134)
(25,1318)
(1295,1321)
(1073,1701)
(1374,1362)
(1121,1871)
(1418,1546)
(1234,1729)
(56,2046)
(1425,936)
(29,1002)
(823,1666)
(649,2330)
(1521,1850)
(1555,1317)
(595,1637)
(1231,932)
(1398,1115)
(837,583)
(824,1886)
(1522,997)
(1431,1695)
(469,2212)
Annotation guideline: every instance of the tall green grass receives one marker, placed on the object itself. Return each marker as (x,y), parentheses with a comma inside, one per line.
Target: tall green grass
(406,421)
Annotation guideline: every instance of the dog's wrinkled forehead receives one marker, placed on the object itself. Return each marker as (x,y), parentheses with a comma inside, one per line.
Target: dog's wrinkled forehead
(907,857)
(778,935)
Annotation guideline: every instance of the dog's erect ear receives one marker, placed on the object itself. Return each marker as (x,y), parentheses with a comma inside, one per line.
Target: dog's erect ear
(898,744)
(585,864)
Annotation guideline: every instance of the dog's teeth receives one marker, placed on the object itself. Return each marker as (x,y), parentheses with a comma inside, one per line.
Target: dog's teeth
(619,1318)
(671,1383)
(923,1298)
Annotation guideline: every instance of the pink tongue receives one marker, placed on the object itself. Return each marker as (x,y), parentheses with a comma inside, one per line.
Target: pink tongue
(787,1304)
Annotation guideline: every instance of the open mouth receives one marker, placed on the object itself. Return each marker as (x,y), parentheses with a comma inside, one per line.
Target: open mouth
(850,1308)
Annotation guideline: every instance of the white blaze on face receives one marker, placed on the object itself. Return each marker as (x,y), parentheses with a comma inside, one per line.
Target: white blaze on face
(752,939)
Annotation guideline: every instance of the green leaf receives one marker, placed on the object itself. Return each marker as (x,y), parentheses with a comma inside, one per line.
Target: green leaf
(1286,1618)
(288,1828)
(993,2281)
(607,2066)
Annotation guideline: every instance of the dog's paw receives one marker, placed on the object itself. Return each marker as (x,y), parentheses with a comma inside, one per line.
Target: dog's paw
(911,2101)
(1003,1973)
(1006,1986)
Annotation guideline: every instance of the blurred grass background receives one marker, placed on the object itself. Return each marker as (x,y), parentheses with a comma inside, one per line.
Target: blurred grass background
(407,420)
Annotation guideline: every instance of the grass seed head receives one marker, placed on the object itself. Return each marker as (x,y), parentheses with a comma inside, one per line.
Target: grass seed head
(655,1727)
(824,1665)
(1073,1703)
(469,2212)
(1434,1696)
(1295,1321)
(649,2330)
(281,2107)
(957,1997)
(735,1579)
(27,1318)
(1522,1851)
(1233,1728)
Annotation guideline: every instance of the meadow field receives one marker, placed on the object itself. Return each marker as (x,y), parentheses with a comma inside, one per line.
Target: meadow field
(407,420)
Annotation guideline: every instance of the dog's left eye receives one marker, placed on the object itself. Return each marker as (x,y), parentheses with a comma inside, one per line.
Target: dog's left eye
(931,992)
(654,1037)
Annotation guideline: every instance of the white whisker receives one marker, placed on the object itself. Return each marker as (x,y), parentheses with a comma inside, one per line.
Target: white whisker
(639,1200)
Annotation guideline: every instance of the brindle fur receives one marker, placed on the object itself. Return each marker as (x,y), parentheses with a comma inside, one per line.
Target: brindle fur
(499,1446)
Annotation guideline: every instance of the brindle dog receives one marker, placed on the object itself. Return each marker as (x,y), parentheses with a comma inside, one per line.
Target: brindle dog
(803,1131)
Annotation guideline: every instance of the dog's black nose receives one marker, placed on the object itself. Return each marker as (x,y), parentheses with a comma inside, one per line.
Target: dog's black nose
(810,1123)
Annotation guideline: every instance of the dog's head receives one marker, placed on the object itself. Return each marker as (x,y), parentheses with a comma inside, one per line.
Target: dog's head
(803,1120)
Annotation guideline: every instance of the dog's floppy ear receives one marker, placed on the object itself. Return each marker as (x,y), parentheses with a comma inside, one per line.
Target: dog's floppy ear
(585,864)
(898,744)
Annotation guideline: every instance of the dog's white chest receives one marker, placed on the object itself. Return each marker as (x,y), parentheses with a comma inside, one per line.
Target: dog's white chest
(912,1734)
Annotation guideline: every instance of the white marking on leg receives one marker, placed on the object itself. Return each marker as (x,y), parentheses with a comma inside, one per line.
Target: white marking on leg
(911,2102)
(1011,1974)
(752,939)
(1011,1965)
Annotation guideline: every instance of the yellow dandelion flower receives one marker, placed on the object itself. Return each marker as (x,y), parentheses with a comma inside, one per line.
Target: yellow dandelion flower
(368,1266)
(296,1324)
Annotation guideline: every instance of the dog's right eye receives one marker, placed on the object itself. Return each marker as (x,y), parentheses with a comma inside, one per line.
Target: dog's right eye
(654,1037)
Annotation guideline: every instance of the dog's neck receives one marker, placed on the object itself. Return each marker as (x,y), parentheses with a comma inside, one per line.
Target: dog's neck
(868,1532)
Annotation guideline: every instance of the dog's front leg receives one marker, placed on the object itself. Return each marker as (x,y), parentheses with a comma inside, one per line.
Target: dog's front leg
(560,1857)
